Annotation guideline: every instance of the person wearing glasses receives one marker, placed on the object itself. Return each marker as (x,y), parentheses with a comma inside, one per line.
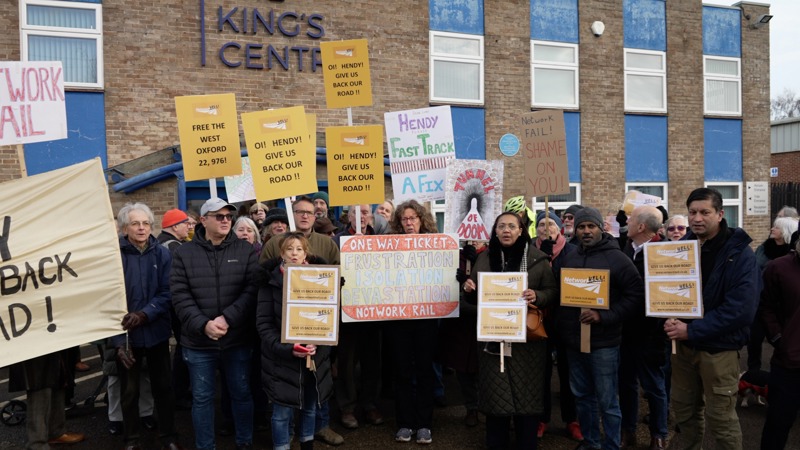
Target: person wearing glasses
(568,219)
(676,227)
(518,393)
(214,293)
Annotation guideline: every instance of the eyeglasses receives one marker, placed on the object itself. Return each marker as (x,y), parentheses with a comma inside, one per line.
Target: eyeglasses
(509,227)
(303,213)
(221,217)
(145,224)
(569,217)
(409,219)
(672,228)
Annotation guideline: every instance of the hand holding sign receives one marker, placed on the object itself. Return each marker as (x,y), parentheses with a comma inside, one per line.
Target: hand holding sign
(133,320)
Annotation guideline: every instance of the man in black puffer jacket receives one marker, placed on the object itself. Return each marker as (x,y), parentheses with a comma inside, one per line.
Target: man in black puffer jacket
(214,291)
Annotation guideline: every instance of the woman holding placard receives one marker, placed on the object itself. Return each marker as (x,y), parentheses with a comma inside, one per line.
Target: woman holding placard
(289,383)
(518,392)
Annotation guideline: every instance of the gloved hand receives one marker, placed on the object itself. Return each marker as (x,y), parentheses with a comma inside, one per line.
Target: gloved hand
(469,253)
(547,247)
(134,320)
(663,213)
(125,358)
(461,276)
(341,282)
(622,219)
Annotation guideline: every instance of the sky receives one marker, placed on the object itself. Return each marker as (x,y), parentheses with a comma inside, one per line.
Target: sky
(784,39)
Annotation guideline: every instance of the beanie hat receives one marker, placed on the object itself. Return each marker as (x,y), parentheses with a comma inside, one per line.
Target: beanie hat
(573,209)
(276,214)
(321,195)
(589,215)
(173,217)
(550,215)
(323,225)
(257,206)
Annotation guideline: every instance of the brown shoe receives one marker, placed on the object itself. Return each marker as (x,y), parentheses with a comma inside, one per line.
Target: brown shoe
(67,439)
(328,436)
(374,417)
(657,443)
(349,420)
(471,419)
(82,367)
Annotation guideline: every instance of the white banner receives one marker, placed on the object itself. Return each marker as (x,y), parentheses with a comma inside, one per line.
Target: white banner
(32,102)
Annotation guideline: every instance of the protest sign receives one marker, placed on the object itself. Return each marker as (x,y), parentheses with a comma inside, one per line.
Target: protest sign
(672,280)
(501,308)
(61,281)
(209,133)
(474,198)
(420,144)
(355,165)
(282,155)
(32,102)
(311,305)
(545,151)
(585,288)
(636,198)
(345,73)
(240,188)
(407,276)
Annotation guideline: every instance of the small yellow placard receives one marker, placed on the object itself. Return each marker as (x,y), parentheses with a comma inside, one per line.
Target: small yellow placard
(345,73)
(312,284)
(209,136)
(309,324)
(282,153)
(585,288)
(671,259)
(355,165)
(636,198)
(501,287)
(674,298)
(310,305)
(502,323)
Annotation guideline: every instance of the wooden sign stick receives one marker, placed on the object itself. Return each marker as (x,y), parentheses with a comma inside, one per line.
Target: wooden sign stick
(586,335)
(502,357)
(23,169)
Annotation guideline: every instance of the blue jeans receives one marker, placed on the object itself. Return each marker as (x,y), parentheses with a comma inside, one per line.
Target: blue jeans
(282,420)
(323,416)
(593,379)
(203,364)
(635,368)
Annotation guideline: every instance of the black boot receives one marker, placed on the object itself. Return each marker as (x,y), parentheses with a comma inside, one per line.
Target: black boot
(307,445)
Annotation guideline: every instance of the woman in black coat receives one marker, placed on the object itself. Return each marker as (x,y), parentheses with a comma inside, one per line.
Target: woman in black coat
(287,381)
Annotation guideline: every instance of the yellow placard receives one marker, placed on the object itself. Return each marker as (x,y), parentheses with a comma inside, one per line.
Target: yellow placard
(345,71)
(502,323)
(310,324)
(501,287)
(315,284)
(674,298)
(282,154)
(355,165)
(209,136)
(671,259)
(585,288)
(310,304)
(636,198)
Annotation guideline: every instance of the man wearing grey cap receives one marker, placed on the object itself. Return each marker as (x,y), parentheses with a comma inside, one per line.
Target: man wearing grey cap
(214,293)
(594,375)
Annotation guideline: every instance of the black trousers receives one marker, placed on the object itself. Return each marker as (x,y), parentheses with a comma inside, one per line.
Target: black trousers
(525,428)
(783,406)
(413,350)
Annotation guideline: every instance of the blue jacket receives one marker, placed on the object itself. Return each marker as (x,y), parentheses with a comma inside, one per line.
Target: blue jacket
(730,297)
(146,290)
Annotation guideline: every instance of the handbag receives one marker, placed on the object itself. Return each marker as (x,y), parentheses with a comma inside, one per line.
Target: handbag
(534,325)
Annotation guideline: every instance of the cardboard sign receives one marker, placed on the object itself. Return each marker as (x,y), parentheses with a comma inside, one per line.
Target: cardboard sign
(406,276)
(32,103)
(355,165)
(209,134)
(474,198)
(674,298)
(345,72)
(636,198)
(501,308)
(673,280)
(585,288)
(310,305)
(420,144)
(671,259)
(544,143)
(61,284)
(282,154)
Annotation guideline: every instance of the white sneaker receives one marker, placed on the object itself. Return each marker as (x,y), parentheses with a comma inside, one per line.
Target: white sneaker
(424,436)
(403,435)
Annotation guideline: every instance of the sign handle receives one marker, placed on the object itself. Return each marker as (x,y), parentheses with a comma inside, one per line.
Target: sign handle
(349,116)
(586,335)
(212,187)
(23,169)
(290,213)
(502,357)
(674,344)
(358,220)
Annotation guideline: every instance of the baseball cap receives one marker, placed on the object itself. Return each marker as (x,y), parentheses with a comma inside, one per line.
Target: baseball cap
(215,204)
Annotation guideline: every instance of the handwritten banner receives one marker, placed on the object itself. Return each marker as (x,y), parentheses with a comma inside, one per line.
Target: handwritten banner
(420,144)
(209,133)
(32,102)
(60,286)
(544,141)
(501,308)
(585,288)
(672,280)
(391,277)
(355,165)
(310,305)
(282,154)
(345,73)
(474,198)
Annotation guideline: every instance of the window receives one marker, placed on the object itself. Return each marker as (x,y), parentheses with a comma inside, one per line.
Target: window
(645,81)
(456,68)
(554,69)
(657,189)
(438,209)
(731,201)
(723,85)
(560,202)
(70,32)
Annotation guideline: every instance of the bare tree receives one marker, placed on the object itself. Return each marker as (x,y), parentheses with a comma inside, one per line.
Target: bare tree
(786,105)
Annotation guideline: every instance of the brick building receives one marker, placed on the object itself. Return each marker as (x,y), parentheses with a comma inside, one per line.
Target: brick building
(672,95)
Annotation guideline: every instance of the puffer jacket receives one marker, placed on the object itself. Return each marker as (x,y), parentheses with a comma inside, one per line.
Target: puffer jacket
(626,294)
(147,290)
(780,309)
(283,375)
(208,281)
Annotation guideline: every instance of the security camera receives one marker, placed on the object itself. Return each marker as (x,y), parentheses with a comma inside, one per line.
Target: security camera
(598,28)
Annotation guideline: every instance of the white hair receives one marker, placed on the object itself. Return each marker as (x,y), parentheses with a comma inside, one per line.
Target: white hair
(249,222)
(123,217)
(787,226)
